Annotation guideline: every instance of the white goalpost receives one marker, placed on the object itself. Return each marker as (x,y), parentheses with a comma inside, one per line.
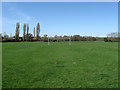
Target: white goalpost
(48,40)
(69,40)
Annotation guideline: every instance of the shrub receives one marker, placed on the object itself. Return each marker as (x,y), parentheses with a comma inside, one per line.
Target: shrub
(105,39)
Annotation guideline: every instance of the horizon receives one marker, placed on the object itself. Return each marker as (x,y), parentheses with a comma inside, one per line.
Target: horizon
(95,19)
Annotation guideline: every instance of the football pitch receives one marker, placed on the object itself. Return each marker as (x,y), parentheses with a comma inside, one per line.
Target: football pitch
(60,65)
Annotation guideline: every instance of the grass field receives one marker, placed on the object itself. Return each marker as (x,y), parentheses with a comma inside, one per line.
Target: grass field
(32,65)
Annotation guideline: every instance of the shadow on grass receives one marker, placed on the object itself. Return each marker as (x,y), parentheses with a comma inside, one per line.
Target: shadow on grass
(59,66)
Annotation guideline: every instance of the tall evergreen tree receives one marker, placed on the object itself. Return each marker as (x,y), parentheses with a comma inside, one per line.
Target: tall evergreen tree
(34,32)
(27,29)
(17,31)
(27,36)
(38,31)
(24,30)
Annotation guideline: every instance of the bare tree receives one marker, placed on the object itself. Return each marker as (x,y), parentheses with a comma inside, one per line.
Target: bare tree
(56,37)
(113,34)
(24,30)
(5,36)
(45,36)
(38,31)
(17,31)
(11,35)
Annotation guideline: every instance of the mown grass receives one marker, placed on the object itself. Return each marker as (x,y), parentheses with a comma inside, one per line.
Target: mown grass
(32,65)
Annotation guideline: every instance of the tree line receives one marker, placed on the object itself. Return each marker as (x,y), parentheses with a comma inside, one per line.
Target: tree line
(111,37)
(26,35)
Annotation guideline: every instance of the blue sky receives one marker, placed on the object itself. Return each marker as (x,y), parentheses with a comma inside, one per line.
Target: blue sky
(61,18)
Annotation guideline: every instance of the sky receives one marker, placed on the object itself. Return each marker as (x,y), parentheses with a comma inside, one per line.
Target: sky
(61,18)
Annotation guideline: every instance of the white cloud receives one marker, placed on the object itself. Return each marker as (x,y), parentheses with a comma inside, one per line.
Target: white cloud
(25,17)
(21,16)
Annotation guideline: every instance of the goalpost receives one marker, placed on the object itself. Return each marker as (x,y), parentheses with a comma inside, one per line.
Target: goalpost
(69,40)
(48,40)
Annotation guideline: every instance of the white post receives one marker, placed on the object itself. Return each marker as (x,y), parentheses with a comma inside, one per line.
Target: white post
(57,38)
(69,41)
(48,40)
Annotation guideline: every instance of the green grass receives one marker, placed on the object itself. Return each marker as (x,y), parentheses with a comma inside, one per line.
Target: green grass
(32,65)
